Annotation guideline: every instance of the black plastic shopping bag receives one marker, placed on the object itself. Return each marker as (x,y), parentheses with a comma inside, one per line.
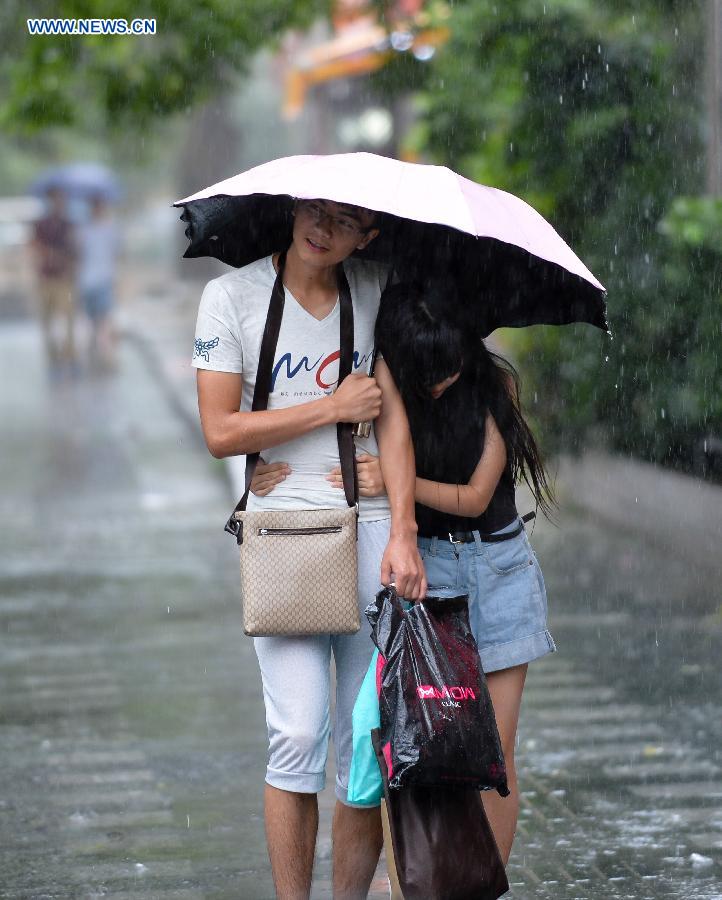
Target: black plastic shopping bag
(437,719)
(442,847)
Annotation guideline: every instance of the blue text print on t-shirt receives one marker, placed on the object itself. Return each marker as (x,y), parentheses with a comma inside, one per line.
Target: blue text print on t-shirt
(320,367)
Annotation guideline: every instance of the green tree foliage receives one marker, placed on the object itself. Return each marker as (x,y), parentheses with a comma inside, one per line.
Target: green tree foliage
(125,80)
(591,110)
(692,270)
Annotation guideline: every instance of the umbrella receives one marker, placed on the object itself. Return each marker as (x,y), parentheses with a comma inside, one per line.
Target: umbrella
(493,244)
(83,180)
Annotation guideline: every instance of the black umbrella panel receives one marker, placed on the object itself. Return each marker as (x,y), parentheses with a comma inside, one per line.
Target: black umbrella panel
(506,286)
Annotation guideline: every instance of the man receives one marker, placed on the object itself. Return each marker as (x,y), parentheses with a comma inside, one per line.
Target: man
(299,427)
(53,245)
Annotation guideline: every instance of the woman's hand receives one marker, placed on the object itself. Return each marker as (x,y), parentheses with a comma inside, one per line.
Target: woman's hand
(370,479)
(267,476)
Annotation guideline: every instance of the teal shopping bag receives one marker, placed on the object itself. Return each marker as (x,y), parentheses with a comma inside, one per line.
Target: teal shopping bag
(364,782)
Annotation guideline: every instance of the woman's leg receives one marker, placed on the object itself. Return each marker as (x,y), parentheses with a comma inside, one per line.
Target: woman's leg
(505,688)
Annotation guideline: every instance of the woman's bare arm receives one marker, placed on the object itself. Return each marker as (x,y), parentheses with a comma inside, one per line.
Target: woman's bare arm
(470,499)
(396,454)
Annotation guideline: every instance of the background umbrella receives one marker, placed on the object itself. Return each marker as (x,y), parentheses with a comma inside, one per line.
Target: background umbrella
(494,245)
(80,180)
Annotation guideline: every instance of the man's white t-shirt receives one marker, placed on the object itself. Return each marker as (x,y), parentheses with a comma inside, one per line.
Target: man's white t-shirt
(231,319)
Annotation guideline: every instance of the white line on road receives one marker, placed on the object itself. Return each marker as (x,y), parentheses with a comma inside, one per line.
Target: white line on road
(112,777)
(123,819)
(95,758)
(709,790)
(123,799)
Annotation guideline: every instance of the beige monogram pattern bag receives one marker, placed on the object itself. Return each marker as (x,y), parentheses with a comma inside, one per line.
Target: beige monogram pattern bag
(299,568)
(299,572)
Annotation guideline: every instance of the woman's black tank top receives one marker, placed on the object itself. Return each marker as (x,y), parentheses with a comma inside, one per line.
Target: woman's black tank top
(451,441)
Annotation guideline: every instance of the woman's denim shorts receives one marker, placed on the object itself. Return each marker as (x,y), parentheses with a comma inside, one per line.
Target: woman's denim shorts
(507,597)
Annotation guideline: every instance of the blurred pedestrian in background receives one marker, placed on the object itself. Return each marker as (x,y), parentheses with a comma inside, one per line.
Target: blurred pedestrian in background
(97,255)
(55,253)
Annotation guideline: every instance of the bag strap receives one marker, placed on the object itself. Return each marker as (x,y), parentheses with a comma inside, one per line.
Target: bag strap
(264,376)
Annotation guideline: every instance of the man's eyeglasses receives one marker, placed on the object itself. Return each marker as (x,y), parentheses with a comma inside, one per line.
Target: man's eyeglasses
(341,225)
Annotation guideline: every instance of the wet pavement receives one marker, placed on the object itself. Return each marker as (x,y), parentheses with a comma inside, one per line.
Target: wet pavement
(131,725)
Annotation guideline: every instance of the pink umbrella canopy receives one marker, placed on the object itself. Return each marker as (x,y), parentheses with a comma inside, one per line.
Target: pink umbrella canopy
(496,247)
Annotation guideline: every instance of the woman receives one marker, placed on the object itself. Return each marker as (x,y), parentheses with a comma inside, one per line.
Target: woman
(472,447)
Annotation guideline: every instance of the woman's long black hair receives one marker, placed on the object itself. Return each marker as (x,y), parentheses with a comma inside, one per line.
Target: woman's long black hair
(423,336)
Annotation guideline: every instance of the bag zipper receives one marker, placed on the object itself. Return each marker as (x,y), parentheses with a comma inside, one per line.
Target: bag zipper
(314,529)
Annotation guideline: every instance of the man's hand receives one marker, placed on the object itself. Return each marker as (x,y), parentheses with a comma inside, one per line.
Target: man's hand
(357,399)
(267,476)
(370,479)
(402,565)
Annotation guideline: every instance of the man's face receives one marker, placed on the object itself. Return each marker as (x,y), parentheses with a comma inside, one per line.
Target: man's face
(325,232)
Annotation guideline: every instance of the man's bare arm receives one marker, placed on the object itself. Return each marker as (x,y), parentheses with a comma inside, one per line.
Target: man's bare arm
(229,432)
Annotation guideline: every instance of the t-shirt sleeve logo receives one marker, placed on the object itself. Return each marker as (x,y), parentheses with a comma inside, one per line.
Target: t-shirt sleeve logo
(202,348)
